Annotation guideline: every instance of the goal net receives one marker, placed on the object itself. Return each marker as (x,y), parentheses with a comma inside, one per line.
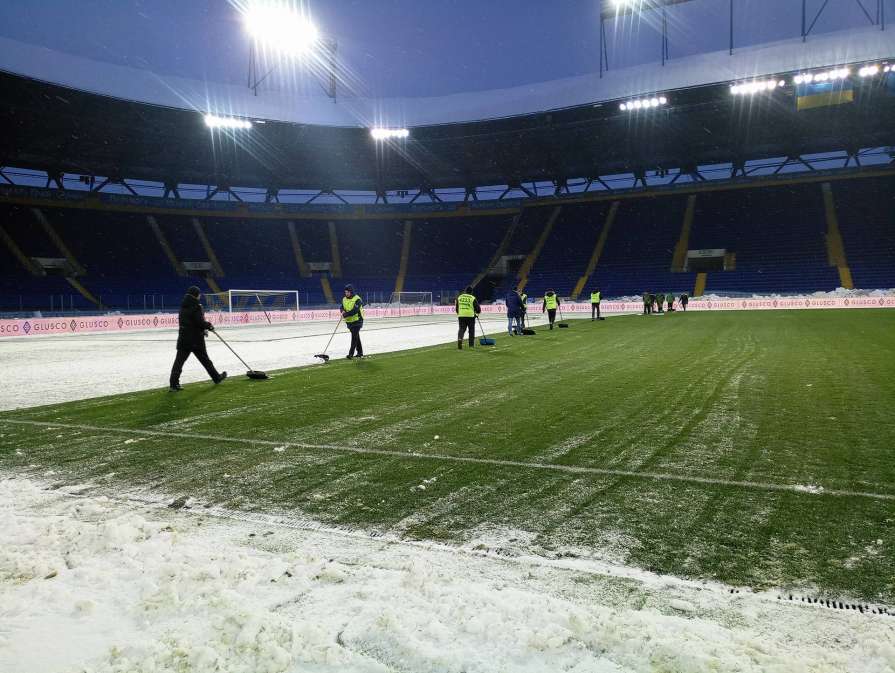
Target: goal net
(243,301)
(410,303)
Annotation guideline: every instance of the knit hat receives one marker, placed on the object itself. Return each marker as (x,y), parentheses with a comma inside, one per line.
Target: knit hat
(193,290)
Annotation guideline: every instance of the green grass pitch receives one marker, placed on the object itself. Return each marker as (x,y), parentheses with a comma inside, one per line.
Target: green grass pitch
(754,448)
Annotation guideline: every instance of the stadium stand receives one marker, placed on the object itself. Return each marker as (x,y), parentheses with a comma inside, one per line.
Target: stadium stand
(777,235)
(866,211)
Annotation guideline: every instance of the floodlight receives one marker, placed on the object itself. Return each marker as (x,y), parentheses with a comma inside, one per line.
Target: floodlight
(280,28)
(643,104)
(215,122)
(387,134)
(868,70)
(756,86)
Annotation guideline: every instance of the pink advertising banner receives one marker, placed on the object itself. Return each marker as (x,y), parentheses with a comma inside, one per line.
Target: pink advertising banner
(31,327)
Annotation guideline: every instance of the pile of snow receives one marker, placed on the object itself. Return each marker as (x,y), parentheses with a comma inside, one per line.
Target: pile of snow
(838,293)
(97,585)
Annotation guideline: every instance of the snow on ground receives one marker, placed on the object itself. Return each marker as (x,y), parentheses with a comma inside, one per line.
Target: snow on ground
(838,293)
(52,369)
(101,585)
(93,584)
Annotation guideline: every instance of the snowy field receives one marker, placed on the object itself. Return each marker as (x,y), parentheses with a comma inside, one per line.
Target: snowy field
(51,369)
(95,583)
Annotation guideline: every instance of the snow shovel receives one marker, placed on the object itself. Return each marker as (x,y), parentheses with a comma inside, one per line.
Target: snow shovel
(323,356)
(562,324)
(484,340)
(251,373)
(526,330)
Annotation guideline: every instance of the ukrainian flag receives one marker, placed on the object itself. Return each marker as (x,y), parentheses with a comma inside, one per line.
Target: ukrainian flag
(821,94)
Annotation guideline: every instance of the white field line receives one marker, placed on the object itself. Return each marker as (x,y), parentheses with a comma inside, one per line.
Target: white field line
(569,469)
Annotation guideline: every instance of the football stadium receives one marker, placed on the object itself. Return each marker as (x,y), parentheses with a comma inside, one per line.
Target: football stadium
(447,337)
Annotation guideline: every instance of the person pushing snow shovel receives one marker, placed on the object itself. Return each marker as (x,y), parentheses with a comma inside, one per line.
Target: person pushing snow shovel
(551,303)
(467,309)
(191,338)
(353,314)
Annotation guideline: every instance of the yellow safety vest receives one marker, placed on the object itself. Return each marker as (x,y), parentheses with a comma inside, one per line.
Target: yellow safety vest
(594,297)
(551,302)
(466,306)
(348,305)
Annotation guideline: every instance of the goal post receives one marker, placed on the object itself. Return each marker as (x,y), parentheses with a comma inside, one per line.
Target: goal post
(410,303)
(244,301)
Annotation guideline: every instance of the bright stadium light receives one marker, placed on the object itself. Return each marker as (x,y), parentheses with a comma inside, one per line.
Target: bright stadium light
(215,122)
(868,71)
(756,86)
(277,26)
(826,76)
(643,104)
(388,134)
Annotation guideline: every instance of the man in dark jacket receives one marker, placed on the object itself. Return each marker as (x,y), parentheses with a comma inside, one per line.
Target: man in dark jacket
(514,312)
(191,339)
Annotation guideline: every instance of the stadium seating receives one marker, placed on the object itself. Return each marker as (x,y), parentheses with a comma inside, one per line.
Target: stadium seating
(866,211)
(447,254)
(776,232)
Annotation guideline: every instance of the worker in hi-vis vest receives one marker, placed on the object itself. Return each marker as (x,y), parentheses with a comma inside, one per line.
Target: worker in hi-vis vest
(595,304)
(551,303)
(467,308)
(353,314)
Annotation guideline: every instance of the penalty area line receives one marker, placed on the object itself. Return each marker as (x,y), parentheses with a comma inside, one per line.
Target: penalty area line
(499,462)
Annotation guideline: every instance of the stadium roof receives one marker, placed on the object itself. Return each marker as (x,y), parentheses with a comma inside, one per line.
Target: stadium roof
(67,114)
(857,45)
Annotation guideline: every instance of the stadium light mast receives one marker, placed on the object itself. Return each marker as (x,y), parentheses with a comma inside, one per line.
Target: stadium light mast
(284,30)
(615,9)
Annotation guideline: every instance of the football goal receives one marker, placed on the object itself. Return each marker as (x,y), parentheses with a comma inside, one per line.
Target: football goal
(243,301)
(410,303)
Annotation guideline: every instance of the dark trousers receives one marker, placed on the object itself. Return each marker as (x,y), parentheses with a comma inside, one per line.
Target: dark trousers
(647,308)
(595,310)
(684,305)
(466,324)
(356,346)
(201,355)
(551,315)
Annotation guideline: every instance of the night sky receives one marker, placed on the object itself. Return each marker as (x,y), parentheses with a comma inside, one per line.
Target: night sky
(411,47)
